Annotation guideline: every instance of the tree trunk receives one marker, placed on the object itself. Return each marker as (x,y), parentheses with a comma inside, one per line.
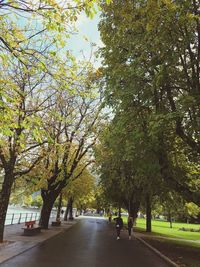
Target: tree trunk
(4,200)
(59,207)
(169,218)
(119,210)
(66,211)
(71,209)
(81,210)
(134,208)
(48,201)
(132,205)
(148,214)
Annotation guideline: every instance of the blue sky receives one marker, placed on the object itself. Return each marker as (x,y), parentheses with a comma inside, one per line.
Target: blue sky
(87,28)
(77,43)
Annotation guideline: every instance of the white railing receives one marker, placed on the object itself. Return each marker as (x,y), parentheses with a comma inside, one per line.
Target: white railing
(16,218)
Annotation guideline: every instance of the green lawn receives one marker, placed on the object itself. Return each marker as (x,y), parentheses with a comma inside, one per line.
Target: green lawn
(163,228)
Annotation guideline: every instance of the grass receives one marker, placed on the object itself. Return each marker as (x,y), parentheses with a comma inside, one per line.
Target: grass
(162,228)
(180,246)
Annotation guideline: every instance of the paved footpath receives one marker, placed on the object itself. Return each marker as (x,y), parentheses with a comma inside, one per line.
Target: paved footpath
(89,243)
(18,243)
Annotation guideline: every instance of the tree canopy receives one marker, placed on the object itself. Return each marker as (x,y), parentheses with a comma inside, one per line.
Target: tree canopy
(151,70)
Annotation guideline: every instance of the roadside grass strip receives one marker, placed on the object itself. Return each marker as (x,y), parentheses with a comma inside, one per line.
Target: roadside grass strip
(162,229)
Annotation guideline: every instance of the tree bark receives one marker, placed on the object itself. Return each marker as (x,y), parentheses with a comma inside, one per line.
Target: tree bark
(71,209)
(4,200)
(66,211)
(133,204)
(169,218)
(119,210)
(59,207)
(48,201)
(134,208)
(81,210)
(170,222)
(148,214)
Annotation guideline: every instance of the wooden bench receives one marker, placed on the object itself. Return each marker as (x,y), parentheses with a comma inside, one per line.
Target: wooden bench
(30,229)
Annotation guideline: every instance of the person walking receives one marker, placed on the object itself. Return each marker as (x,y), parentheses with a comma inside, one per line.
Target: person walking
(62,212)
(130,225)
(110,217)
(119,225)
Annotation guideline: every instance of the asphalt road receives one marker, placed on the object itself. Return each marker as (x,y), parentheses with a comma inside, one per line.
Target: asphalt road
(90,243)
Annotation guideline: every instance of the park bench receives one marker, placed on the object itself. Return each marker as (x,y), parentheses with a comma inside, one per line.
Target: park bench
(30,229)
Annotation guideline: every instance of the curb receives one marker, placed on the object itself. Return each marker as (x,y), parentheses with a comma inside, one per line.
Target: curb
(157,252)
(37,244)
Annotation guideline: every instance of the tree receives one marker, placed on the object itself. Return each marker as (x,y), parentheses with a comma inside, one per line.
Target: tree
(22,22)
(192,211)
(151,69)
(173,204)
(37,201)
(116,170)
(21,104)
(157,49)
(79,191)
(73,124)
(30,39)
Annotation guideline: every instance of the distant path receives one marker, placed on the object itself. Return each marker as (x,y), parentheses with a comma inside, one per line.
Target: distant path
(90,243)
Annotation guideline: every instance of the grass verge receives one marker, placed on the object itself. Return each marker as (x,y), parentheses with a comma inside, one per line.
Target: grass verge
(163,229)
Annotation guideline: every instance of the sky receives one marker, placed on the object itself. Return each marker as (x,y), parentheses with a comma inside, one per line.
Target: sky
(87,28)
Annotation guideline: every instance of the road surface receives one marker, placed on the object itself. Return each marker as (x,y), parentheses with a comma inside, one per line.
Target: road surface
(89,243)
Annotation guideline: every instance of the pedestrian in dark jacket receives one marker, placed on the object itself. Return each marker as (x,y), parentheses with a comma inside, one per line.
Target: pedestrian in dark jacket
(118,225)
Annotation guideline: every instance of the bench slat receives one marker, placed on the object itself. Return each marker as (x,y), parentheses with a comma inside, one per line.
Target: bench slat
(30,223)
